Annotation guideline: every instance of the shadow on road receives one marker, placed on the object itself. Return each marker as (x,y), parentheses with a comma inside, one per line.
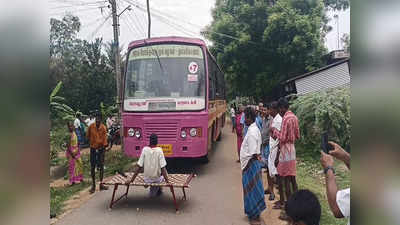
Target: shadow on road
(191,165)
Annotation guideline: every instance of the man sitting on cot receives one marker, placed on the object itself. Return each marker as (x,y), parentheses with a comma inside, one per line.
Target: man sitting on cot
(152,161)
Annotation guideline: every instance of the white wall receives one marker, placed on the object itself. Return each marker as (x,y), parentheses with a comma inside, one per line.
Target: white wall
(333,77)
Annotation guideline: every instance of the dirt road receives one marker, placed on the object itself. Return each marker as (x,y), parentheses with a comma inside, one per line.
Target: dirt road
(215,197)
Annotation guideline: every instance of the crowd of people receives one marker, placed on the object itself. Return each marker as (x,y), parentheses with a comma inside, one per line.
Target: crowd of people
(266,136)
(82,123)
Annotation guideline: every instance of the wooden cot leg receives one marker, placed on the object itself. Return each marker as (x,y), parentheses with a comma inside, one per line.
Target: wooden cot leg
(113,195)
(173,195)
(184,194)
(127,189)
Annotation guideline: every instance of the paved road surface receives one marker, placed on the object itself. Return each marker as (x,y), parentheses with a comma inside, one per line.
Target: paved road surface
(215,197)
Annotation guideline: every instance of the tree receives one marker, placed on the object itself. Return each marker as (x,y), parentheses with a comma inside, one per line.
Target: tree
(63,35)
(346,42)
(86,72)
(98,80)
(261,43)
(293,39)
(337,4)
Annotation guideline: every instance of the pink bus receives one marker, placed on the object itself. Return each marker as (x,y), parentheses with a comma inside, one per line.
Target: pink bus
(173,88)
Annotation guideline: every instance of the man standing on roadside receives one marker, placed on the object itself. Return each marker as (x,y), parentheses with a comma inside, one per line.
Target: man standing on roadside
(265,150)
(97,135)
(250,157)
(77,126)
(233,117)
(286,156)
(274,148)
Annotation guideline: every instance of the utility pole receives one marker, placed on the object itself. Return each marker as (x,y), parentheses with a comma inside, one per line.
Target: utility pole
(117,64)
(149,19)
(116,49)
(336,16)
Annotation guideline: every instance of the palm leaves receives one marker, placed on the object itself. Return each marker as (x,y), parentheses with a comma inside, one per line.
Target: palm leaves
(108,110)
(58,108)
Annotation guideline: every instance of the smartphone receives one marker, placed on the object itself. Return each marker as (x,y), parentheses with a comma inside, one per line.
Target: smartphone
(326,147)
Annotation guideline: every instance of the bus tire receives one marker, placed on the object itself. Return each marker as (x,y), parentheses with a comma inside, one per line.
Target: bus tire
(204,159)
(219,136)
(210,140)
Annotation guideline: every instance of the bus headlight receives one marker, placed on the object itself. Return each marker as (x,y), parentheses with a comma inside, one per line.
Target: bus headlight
(193,132)
(138,134)
(183,134)
(131,132)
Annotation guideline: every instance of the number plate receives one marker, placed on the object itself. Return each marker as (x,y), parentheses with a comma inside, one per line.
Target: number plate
(167,149)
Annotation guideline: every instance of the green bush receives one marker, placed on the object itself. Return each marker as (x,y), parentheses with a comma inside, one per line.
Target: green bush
(58,136)
(324,111)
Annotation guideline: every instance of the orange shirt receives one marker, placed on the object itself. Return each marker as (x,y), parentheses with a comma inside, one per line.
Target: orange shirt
(97,136)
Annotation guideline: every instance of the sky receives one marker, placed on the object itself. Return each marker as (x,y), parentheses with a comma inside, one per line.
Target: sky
(169,17)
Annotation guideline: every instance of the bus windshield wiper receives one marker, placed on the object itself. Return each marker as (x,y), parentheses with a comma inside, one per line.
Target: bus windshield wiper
(158,58)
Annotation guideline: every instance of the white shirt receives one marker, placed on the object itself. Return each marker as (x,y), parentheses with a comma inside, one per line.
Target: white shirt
(273,145)
(343,202)
(109,122)
(77,123)
(89,121)
(233,113)
(152,160)
(251,145)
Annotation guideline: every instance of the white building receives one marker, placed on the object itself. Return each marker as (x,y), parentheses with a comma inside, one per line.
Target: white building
(334,75)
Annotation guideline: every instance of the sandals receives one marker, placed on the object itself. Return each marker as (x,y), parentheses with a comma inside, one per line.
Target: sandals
(92,190)
(258,221)
(102,187)
(255,222)
(278,205)
(284,216)
(271,197)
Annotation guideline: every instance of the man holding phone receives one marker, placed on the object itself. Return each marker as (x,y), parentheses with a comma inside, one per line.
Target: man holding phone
(339,200)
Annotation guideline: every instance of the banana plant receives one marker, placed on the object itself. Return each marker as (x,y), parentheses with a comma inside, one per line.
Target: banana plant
(58,106)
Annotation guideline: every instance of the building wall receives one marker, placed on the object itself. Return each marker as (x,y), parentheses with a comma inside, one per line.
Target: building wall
(333,77)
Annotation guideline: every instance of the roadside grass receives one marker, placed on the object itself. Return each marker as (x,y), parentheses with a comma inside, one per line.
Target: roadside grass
(114,161)
(58,196)
(310,176)
(58,161)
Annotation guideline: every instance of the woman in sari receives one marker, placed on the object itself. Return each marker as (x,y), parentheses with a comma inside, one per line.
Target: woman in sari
(239,131)
(74,157)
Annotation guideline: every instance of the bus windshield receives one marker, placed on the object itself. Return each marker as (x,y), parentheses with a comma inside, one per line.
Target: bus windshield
(165,77)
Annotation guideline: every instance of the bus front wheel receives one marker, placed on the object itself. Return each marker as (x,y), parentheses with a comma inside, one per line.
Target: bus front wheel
(219,136)
(204,159)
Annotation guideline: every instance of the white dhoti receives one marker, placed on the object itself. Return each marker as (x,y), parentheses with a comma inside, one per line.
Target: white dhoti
(271,161)
(274,146)
(154,189)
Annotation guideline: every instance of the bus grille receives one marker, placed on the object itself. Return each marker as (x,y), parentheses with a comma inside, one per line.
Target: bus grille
(164,131)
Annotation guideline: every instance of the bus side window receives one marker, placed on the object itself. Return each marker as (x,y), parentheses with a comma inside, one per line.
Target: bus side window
(221,86)
(211,78)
